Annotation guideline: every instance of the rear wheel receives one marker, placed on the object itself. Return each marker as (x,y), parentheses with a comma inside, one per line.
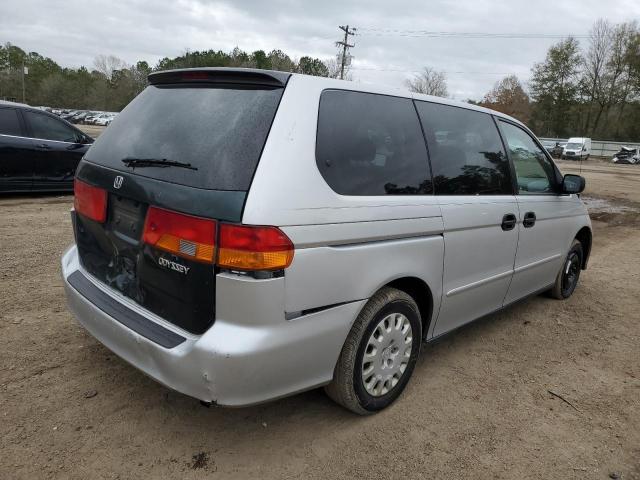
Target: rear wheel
(569,274)
(379,354)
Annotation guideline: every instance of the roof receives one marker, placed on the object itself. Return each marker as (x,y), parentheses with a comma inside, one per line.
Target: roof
(14,104)
(256,76)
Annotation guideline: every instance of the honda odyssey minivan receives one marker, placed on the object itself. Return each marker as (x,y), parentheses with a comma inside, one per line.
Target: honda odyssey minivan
(243,235)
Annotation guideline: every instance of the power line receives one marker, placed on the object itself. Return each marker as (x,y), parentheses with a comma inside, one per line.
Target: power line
(418,71)
(371,31)
(345,46)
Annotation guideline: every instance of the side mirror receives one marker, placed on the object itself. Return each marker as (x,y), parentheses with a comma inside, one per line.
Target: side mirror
(573,184)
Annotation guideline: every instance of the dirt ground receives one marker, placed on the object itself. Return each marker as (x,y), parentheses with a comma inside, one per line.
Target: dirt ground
(91,130)
(478,406)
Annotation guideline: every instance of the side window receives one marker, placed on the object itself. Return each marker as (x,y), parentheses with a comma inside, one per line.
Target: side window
(9,123)
(534,170)
(371,144)
(466,152)
(49,128)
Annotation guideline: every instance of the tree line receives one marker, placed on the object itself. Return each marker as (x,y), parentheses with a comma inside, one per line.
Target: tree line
(591,91)
(111,83)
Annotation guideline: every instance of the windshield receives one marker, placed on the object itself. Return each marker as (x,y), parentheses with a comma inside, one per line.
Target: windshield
(574,146)
(220,130)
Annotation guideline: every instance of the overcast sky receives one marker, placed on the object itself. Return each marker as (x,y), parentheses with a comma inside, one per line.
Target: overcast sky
(73,32)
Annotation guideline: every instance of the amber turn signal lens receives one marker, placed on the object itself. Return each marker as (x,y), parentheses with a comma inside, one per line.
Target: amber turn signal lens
(243,247)
(183,235)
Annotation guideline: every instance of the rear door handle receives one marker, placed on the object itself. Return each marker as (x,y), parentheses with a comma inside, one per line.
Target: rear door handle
(529,220)
(508,222)
(44,146)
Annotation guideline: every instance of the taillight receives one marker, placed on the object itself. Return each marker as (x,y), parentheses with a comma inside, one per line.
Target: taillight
(195,76)
(184,235)
(243,247)
(90,201)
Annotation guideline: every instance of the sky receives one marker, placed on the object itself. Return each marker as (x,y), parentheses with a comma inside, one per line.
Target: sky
(387,51)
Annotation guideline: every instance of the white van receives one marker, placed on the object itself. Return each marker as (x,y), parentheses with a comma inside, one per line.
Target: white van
(577,148)
(242,235)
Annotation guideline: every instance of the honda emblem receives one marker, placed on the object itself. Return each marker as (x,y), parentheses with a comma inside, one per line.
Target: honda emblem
(117,182)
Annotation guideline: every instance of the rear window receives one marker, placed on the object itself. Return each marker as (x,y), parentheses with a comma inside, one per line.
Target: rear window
(369,144)
(220,130)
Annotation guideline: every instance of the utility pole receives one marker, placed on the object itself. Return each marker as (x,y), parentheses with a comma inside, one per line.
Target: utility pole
(25,71)
(345,45)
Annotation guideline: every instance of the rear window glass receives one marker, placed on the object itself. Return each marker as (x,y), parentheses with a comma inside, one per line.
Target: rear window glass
(369,144)
(218,130)
(9,124)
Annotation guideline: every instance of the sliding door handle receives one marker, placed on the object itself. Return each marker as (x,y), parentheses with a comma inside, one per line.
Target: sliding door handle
(529,220)
(508,222)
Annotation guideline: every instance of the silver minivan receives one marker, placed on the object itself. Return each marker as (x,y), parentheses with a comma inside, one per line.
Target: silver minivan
(243,235)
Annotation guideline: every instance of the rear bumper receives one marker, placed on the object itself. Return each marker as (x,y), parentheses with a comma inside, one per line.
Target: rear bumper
(251,354)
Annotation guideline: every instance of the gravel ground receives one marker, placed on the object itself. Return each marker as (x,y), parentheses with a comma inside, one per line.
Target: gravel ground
(478,406)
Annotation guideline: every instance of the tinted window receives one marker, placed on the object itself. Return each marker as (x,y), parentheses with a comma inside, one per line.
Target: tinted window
(534,170)
(466,152)
(49,128)
(9,124)
(220,131)
(371,145)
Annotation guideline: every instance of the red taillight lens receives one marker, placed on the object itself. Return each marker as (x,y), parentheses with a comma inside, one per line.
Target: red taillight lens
(184,235)
(195,76)
(254,248)
(90,201)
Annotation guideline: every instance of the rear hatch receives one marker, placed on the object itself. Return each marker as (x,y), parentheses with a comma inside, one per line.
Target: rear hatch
(188,144)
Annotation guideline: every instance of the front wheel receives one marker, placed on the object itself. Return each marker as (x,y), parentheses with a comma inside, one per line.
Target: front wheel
(379,354)
(569,274)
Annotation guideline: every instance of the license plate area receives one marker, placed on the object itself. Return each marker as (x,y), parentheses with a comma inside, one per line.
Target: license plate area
(126,217)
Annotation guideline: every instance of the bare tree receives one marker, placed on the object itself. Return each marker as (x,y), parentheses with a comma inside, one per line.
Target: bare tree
(595,78)
(429,82)
(333,66)
(624,47)
(107,64)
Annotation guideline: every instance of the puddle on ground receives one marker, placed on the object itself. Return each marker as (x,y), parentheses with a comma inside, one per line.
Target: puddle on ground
(611,212)
(600,205)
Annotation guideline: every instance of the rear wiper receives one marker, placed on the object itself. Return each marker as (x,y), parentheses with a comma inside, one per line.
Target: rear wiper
(155,162)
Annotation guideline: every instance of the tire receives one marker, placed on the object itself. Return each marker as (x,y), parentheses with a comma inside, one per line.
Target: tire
(569,274)
(392,308)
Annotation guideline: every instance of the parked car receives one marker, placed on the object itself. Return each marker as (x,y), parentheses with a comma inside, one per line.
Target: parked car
(554,148)
(335,228)
(627,155)
(38,150)
(78,117)
(67,116)
(103,120)
(577,148)
(88,120)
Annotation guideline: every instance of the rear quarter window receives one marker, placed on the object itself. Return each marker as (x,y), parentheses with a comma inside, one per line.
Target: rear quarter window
(9,123)
(370,144)
(218,129)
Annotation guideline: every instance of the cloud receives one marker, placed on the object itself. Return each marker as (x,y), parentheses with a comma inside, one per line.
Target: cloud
(75,31)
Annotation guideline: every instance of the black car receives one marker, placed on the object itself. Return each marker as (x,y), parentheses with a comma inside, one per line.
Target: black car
(38,150)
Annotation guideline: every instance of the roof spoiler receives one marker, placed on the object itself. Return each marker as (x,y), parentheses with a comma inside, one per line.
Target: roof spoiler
(244,76)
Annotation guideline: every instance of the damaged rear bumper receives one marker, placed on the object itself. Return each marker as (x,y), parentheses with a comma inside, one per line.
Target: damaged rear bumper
(251,354)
